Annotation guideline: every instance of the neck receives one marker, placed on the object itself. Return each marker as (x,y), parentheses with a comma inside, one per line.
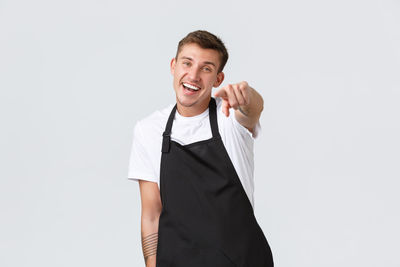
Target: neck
(193,110)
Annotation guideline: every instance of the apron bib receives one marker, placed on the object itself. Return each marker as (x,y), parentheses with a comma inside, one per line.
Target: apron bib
(207,219)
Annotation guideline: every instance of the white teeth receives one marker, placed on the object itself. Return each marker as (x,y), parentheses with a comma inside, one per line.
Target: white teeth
(191,86)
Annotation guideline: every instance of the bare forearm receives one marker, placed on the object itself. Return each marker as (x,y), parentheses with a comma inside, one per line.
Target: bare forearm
(256,105)
(149,240)
(248,115)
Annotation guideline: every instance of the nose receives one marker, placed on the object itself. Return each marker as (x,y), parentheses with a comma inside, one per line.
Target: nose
(194,74)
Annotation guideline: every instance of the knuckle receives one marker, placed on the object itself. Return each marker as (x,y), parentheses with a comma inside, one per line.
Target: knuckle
(234,103)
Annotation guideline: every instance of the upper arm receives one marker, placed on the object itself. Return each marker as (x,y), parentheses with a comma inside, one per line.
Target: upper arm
(150,199)
(143,156)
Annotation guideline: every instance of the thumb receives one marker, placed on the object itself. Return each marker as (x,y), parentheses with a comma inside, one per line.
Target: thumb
(225,107)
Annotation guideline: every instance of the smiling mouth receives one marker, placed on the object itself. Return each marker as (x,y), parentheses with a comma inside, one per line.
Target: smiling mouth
(190,87)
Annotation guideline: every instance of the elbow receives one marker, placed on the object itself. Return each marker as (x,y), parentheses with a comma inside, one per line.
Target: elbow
(152,215)
(261,103)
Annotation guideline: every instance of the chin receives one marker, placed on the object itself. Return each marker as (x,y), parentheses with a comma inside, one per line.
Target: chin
(184,101)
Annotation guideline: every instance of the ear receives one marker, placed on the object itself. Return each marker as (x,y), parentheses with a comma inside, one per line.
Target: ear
(219,80)
(172,65)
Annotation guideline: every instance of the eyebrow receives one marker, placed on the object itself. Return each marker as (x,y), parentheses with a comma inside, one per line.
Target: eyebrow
(205,62)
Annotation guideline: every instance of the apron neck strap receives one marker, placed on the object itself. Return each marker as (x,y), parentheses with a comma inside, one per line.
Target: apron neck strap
(212,112)
(213,123)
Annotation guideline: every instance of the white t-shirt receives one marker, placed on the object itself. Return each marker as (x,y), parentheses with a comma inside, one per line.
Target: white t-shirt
(145,157)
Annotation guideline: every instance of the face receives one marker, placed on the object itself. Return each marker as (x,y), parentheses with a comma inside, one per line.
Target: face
(195,72)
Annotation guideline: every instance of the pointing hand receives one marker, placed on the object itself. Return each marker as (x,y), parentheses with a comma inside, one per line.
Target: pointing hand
(236,96)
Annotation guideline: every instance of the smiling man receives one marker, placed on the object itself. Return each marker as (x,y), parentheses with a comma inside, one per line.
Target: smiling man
(194,163)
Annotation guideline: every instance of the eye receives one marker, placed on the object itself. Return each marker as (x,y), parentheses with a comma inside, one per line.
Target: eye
(186,63)
(207,69)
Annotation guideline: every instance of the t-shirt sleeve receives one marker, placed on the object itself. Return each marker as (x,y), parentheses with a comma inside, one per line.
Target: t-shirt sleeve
(140,166)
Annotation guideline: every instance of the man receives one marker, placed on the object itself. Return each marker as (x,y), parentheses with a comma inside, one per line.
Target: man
(194,164)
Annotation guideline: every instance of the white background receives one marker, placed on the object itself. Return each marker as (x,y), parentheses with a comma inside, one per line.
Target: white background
(76,75)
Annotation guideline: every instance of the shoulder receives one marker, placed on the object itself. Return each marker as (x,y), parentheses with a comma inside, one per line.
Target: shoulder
(154,123)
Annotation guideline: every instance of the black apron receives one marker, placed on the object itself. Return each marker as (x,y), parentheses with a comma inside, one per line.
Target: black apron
(207,219)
